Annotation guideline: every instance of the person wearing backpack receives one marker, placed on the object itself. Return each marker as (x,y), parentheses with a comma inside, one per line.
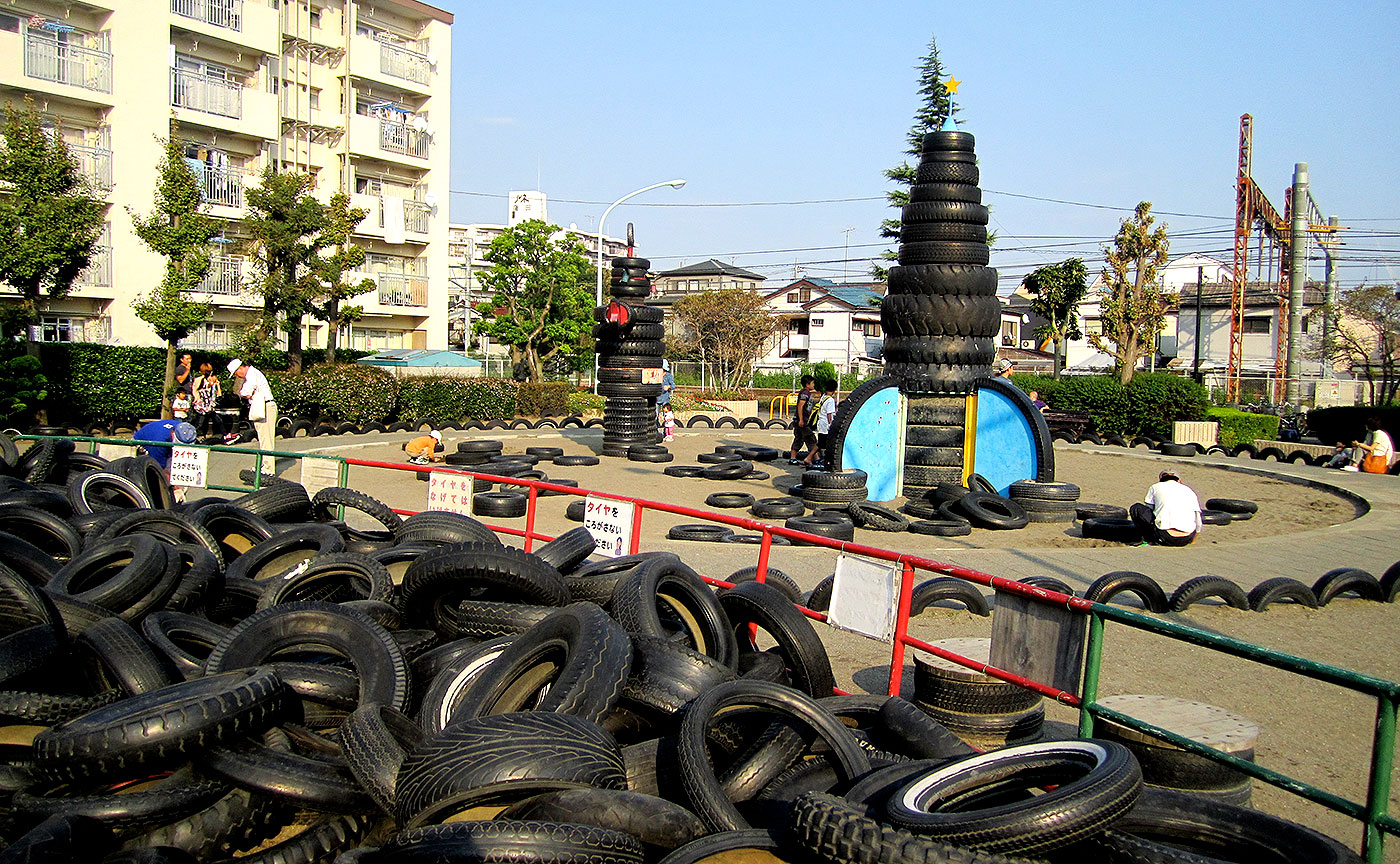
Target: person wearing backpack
(802,415)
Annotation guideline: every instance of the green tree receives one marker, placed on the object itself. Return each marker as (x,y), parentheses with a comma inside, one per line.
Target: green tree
(49,218)
(731,329)
(178,229)
(1132,304)
(287,225)
(542,294)
(329,270)
(1056,291)
(935,108)
(1363,338)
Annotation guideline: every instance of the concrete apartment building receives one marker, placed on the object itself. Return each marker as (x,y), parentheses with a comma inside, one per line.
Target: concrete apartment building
(356,93)
(467,245)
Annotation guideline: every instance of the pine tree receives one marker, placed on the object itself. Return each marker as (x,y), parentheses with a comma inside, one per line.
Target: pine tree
(179,229)
(49,218)
(933,111)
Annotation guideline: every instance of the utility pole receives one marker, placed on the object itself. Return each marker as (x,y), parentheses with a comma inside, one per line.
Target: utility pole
(1196,361)
(1298,269)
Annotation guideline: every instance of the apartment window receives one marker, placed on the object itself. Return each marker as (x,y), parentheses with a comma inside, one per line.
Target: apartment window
(209,335)
(53,328)
(1008,333)
(792,297)
(869,329)
(316,18)
(1258,324)
(9,23)
(1092,327)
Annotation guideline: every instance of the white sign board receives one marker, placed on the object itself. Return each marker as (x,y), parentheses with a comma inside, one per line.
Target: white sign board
(865,597)
(318,474)
(450,491)
(189,466)
(114,451)
(610,523)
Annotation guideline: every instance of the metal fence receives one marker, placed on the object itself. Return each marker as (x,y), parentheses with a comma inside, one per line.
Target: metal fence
(98,273)
(225,275)
(220,13)
(50,60)
(403,63)
(95,163)
(402,138)
(204,94)
(401,290)
(221,185)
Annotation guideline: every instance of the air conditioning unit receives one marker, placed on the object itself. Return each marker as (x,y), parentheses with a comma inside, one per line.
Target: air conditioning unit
(1028,344)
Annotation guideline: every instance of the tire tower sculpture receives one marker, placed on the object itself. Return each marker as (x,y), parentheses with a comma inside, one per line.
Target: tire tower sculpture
(942,312)
(629,344)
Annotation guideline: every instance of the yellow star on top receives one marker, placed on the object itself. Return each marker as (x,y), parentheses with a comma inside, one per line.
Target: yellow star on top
(951,85)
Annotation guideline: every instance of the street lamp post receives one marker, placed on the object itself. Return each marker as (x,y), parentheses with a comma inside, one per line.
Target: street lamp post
(598,299)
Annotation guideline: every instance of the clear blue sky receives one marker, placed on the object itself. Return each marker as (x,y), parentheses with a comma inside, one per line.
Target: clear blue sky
(759,102)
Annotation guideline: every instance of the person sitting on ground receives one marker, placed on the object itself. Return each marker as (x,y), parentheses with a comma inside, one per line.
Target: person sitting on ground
(180,405)
(424,448)
(1040,404)
(176,431)
(1374,454)
(826,412)
(1170,515)
(1341,457)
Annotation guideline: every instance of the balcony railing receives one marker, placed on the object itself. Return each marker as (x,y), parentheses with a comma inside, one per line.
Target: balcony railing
(402,138)
(220,13)
(96,165)
(209,95)
(416,216)
(225,275)
(98,273)
(221,185)
(51,60)
(400,290)
(403,63)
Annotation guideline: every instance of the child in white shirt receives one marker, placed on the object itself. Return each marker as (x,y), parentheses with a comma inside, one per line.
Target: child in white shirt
(180,405)
(668,423)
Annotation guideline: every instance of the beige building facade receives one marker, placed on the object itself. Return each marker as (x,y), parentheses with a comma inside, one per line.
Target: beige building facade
(355,93)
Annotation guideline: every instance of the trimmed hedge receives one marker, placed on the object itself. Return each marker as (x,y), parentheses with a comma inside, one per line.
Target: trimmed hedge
(422,398)
(1241,427)
(343,392)
(1347,423)
(1150,403)
(550,399)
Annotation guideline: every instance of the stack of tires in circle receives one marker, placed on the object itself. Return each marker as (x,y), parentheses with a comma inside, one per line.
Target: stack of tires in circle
(981,710)
(942,311)
(629,340)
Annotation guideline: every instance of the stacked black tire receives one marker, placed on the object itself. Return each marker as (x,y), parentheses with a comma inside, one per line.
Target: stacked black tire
(983,711)
(625,349)
(833,489)
(942,311)
(1046,502)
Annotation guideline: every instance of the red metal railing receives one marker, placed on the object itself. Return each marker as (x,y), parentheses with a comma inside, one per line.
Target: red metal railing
(910,564)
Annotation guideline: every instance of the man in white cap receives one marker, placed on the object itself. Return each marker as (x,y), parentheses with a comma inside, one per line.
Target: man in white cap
(1170,515)
(262,410)
(424,448)
(1002,368)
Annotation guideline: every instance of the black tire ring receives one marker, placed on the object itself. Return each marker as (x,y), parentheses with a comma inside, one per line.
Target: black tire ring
(769,609)
(372,652)
(657,581)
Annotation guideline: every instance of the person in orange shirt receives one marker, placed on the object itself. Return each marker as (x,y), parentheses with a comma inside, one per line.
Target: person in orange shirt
(424,448)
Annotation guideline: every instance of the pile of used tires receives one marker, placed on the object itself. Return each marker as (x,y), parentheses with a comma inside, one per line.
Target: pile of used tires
(629,342)
(254,680)
(1337,582)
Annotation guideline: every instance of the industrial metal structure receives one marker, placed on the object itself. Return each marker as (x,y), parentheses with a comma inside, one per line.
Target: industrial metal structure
(1301,217)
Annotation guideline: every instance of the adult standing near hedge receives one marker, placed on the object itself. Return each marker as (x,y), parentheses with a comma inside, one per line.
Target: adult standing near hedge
(206,402)
(262,410)
(668,384)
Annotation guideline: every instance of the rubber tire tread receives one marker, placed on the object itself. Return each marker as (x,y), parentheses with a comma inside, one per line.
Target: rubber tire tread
(768,608)
(1201,587)
(1280,588)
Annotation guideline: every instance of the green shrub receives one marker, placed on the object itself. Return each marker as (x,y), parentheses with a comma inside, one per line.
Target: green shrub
(452,398)
(549,399)
(92,383)
(344,392)
(1347,423)
(1151,402)
(584,402)
(1241,427)
(22,384)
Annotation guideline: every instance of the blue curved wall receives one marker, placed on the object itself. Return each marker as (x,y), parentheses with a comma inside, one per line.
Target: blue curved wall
(1005,450)
(872,443)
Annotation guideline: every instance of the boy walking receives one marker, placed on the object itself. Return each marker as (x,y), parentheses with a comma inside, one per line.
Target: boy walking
(802,435)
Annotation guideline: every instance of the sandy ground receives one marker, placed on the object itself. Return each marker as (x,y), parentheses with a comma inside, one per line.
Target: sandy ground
(1316,733)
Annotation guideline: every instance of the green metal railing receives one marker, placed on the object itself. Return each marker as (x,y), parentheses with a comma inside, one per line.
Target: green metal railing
(343,471)
(1374,814)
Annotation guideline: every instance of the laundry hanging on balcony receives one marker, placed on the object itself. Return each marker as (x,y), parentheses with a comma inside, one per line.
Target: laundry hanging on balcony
(39,22)
(394,220)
